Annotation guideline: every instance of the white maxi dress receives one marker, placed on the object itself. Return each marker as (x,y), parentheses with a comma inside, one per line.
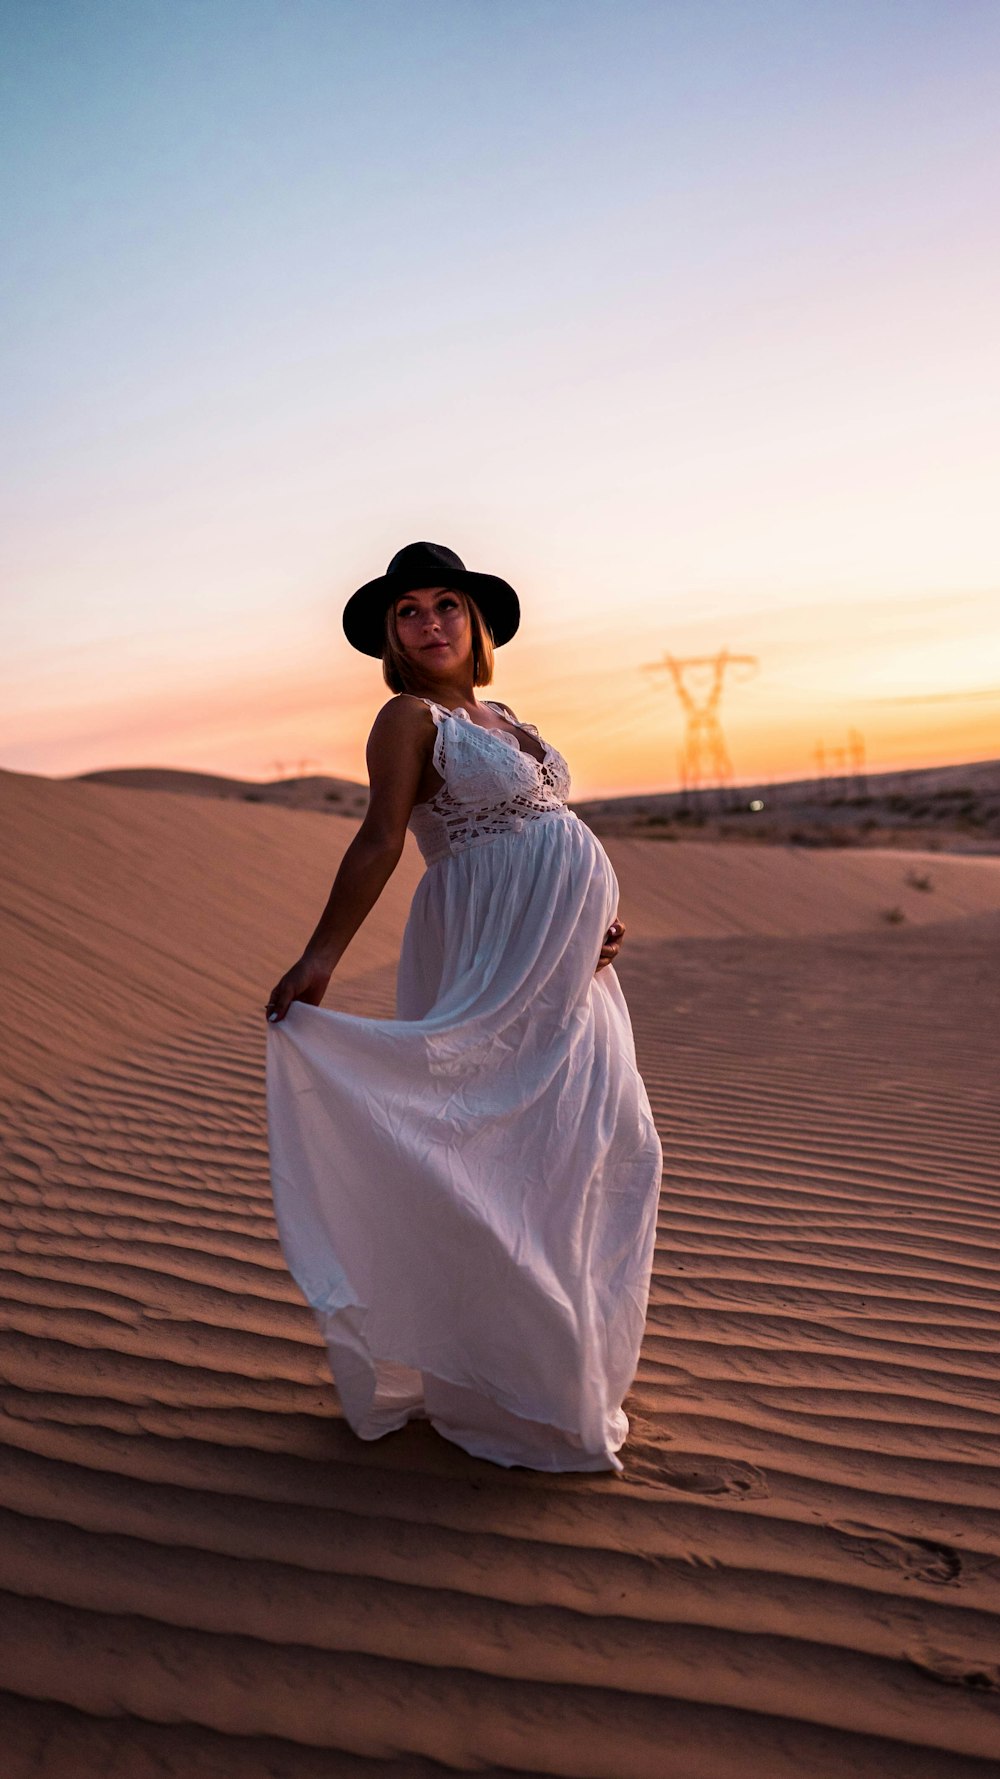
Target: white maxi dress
(466,1195)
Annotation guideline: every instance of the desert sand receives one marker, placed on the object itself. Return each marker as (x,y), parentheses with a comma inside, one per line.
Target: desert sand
(206,1575)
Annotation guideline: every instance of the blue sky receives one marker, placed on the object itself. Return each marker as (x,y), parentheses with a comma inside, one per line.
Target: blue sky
(680,316)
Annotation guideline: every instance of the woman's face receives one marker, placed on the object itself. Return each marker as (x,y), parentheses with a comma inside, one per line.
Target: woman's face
(434,628)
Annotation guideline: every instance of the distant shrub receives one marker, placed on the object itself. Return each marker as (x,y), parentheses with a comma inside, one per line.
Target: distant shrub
(919,880)
(893,916)
(821,837)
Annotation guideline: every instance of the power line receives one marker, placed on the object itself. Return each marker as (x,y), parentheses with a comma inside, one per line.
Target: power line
(704,756)
(843,767)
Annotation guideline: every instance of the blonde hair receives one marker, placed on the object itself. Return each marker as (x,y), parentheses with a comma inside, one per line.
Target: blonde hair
(397,668)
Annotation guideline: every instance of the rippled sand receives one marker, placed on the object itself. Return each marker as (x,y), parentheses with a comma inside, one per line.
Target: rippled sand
(205,1574)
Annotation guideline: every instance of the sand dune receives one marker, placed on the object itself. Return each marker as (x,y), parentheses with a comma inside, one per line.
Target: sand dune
(135,915)
(315,791)
(710,890)
(205,1574)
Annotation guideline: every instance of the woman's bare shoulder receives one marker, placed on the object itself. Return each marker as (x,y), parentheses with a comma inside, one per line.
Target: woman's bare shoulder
(400,745)
(402,718)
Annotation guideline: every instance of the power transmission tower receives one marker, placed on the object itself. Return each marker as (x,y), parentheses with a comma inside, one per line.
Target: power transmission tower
(838,782)
(819,755)
(856,747)
(281,767)
(704,756)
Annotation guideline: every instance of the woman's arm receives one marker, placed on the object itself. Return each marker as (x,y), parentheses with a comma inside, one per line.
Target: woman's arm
(399,747)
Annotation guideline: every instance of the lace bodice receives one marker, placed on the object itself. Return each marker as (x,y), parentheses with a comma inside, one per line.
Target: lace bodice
(491,786)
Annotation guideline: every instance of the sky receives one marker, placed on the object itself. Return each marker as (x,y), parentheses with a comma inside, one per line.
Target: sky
(680,317)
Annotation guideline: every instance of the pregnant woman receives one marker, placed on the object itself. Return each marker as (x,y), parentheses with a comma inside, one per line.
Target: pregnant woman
(466,1194)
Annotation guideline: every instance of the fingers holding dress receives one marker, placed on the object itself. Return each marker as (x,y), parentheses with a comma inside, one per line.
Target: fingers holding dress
(612,944)
(306,981)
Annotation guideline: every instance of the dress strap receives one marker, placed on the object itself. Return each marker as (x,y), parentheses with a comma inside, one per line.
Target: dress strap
(439,750)
(434,708)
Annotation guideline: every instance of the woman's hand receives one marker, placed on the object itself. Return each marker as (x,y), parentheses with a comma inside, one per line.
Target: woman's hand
(612,944)
(306,981)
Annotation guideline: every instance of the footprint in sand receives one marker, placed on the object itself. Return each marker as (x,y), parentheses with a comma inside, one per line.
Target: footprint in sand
(956,1670)
(919,1559)
(695,1476)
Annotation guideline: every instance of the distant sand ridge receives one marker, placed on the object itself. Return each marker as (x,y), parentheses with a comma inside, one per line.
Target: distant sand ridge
(133,913)
(204,1573)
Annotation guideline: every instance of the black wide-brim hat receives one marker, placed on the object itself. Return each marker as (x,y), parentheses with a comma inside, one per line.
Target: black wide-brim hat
(427,565)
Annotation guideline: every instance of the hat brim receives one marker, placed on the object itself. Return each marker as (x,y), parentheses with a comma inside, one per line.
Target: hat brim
(364,613)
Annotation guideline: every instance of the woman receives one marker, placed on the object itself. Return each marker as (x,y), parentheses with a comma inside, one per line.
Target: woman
(466,1195)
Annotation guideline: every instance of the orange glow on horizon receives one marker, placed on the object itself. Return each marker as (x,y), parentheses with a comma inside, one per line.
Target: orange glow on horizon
(620,726)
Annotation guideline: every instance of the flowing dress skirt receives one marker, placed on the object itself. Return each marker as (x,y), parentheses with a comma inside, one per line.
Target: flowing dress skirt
(466,1195)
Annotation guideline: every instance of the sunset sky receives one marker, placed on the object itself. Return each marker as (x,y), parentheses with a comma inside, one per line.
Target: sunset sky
(681,317)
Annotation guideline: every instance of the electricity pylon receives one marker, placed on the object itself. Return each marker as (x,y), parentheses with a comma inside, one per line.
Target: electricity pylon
(839,778)
(283,766)
(856,747)
(704,755)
